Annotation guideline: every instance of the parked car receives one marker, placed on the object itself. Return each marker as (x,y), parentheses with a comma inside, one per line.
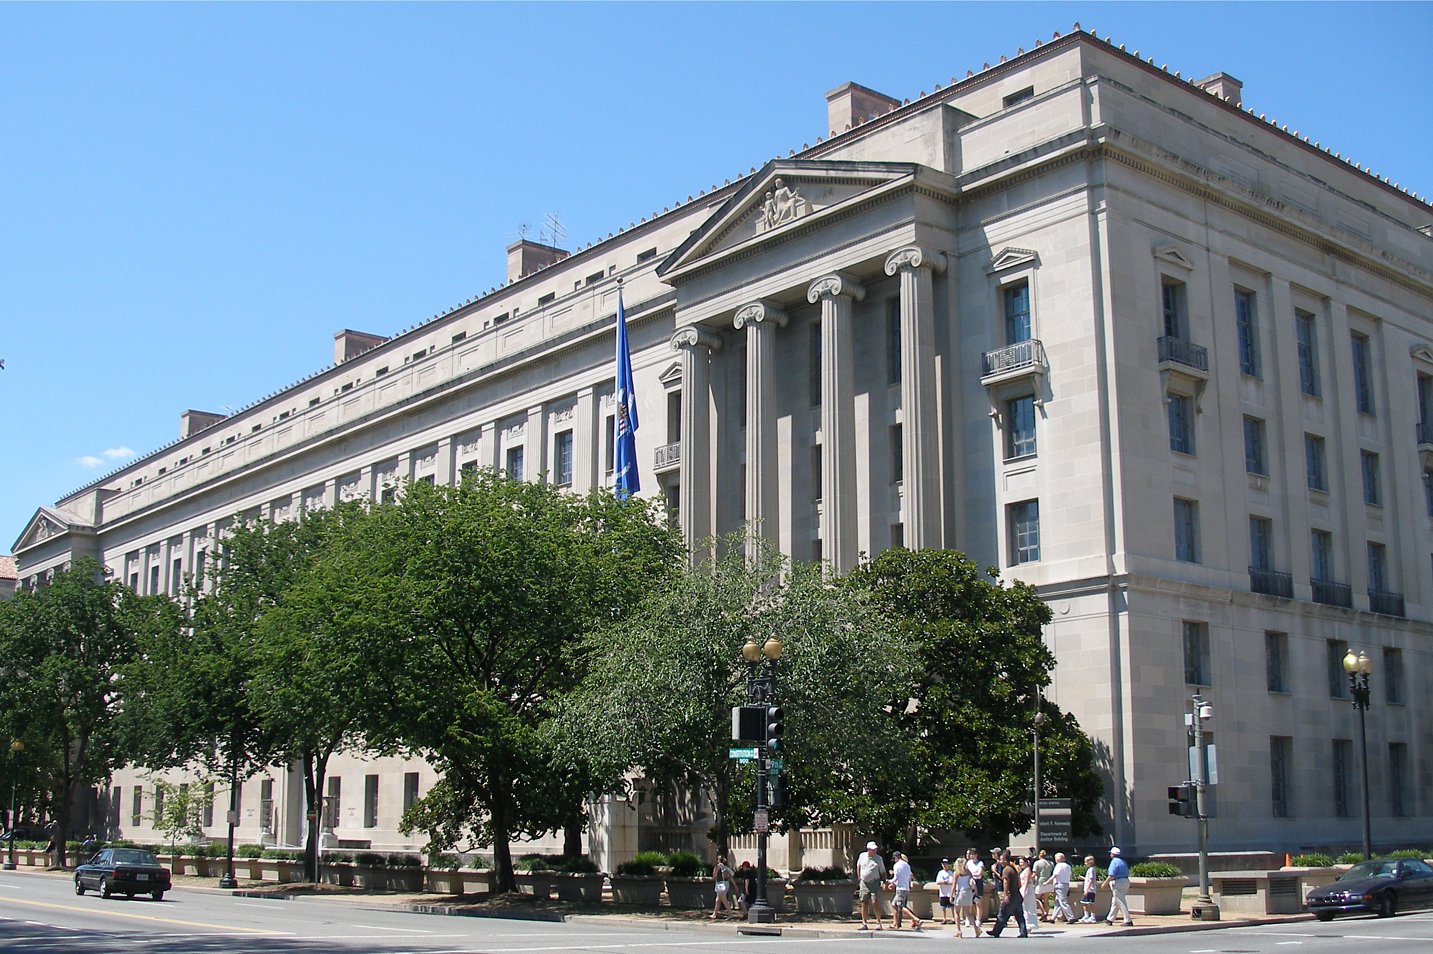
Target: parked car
(126,871)
(1382,886)
(26,833)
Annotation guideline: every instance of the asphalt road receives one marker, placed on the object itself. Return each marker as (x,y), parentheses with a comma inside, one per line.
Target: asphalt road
(40,913)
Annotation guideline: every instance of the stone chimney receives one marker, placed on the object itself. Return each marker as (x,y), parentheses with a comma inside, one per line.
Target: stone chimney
(192,422)
(1224,86)
(350,344)
(851,104)
(525,257)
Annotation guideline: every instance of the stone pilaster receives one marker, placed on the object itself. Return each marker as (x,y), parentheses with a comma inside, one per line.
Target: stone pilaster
(837,293)
(761,319)
(694,506)
(920,491)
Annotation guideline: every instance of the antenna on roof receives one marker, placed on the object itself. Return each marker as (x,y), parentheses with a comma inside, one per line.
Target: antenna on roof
(553,231)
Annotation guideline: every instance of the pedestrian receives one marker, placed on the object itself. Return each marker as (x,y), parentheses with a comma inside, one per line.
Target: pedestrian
(871,874)
(965,898)
(976,869)
(901,886)
(746,885)
(50,853)
(1060,877)
(1012,904)
(1118,882)
(1028,894)
(945,887)
(1044,883)
(1087,898)
(722,876)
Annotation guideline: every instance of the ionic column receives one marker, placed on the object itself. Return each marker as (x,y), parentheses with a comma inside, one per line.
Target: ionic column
(761,319)
(920,497)
(694,479)
(836,293)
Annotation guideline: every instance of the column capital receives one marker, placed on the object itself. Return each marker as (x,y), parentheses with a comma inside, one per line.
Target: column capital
(914,256)
(835,285)
(759,312)
(692,336)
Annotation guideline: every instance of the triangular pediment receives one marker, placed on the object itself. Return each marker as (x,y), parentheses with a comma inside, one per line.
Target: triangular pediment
(781,199)
(1173,256)
(47,523)
(1011,257)
(671,377)
(1422,353)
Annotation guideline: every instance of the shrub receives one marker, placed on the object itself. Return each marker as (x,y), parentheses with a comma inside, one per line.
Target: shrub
(1313,859)
(371,858)
(1155,869)
(1406,853)
(250,851)
(685,864)
(283,854)
(1349,858)
(533,862)
(404,859)
(833,873)
(579,864)
(644,864)
(337,857)
(444,862)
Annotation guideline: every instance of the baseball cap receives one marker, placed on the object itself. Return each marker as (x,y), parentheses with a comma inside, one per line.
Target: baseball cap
(1115,850)
(945,861)
(870,846)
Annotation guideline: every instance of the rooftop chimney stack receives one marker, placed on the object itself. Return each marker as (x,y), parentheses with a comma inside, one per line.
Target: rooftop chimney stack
(192,422)
(851,104)
(350,344)
(1224,86)
(526,257)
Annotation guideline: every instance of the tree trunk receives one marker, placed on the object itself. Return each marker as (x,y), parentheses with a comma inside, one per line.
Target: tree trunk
(315,769)
(572,833)
(721,806)
(504,881)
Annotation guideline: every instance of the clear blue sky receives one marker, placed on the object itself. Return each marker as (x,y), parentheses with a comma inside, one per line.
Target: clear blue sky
(195,197)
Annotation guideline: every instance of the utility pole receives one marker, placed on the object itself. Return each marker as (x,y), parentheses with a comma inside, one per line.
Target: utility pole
(1204,909)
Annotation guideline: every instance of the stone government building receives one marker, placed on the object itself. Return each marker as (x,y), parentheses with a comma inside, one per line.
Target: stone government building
(1078,316)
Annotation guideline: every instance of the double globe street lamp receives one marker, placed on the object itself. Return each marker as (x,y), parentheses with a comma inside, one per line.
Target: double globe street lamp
(16,747)
(1358,668)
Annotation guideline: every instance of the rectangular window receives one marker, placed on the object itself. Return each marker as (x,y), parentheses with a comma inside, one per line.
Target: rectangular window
(154,580)
(266,804)
(1261,543)
(1247,322)
(1428,492)
(1024,520)
(208,816)
(1342,777)
(1334,651)
(176,576)
(514,463)
(1362,373)
(562,458)
(410,790)
(1176,321)
(1020,427)
(1019,96)
(674,416)
(1398,779)
(1017,312)
(1393,675)
(1306,334)
(1186,530)
(1276,661)
(1372,489)
(158,805)
(1196,653)
(893,341)
(1281,800)
(370,801)
(1315,465)
(815,349)
(544,299)
(200,558)
(609,445)
(332,803)
(136,807)
(1181,423)
(1378,568)
(817,476)
(1256,458)
(898,454)
(1321,552)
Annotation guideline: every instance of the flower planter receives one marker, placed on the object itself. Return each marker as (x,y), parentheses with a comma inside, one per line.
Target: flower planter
(1155,895)
(645,890)
(370,876)
(919,901)
(690,893)
(536,883)
(442,881)
(280,871)
(825,897)
(404,878)
(336,872)
(476,880)
(578,887)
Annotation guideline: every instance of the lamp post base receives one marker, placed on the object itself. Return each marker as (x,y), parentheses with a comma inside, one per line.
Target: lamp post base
(1204,910)
(761,914)
(228,881)
(8,866)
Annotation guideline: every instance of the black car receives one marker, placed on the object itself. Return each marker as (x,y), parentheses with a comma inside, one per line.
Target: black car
(26,833)
(1383,886)
(126,871)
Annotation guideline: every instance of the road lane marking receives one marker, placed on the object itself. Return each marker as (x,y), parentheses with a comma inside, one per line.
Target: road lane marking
(374,927)
(72,909)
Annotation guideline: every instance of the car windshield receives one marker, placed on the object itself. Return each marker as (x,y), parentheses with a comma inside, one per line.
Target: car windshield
(1369,869)
(132,856)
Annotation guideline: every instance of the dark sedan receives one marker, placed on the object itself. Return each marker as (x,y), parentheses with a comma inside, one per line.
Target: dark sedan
(126,871)
(1383,886)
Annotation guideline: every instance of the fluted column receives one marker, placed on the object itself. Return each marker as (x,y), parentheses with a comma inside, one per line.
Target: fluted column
(694,480)
(920,487)
(761,319)
(836,293)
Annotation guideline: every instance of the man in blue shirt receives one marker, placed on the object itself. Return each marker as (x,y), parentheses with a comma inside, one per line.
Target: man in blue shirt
(1118,883)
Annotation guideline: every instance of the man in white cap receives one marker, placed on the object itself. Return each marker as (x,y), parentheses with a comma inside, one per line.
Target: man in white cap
(1118,883)
(870,874)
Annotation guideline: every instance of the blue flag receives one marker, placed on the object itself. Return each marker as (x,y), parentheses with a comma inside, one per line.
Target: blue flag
(624,455)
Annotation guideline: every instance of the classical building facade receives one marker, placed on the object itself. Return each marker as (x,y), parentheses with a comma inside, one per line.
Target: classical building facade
(1091,322)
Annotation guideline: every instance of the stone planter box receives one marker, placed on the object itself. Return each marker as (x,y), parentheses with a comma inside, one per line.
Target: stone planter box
(825,897)
(404,878)
(280,871)
(1257,892)
(690,893)
(920,901)
(1155,895)
(645,890)
(370,876)
(335,872)
(476,880)
(246,869)
(578,887)
(442,881)
(536,883)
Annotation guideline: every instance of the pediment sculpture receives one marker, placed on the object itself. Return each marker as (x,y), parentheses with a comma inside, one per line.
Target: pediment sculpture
(782,205)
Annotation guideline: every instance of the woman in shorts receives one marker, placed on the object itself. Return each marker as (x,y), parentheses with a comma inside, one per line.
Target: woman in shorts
(964,900)
(722,876)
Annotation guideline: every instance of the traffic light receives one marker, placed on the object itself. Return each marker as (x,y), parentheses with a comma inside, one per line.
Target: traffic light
(1181,800)
(776,791)
(774,728)
(748,723)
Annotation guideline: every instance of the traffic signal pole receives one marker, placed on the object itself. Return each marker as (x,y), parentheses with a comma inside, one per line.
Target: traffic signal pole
(1204,909)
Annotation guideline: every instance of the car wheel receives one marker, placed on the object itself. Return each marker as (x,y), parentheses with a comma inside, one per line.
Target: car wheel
(79,885)
(158,895)
(105,891)
(1324,915)
(1387,904)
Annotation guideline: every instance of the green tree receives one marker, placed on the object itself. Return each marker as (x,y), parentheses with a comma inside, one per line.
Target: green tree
(481,592)
(178,811)
(64,649)
(981,666)
(661,686)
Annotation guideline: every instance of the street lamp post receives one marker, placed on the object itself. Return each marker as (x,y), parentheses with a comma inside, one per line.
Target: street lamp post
(16,747)
(1035,724)
(761,690)
(1201,711)
(1358,669)
(227,879)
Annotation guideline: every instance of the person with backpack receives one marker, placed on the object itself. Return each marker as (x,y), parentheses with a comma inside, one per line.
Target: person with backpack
(722,877)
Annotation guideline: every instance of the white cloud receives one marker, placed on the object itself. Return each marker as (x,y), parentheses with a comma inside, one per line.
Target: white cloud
(118,453)
(88,460)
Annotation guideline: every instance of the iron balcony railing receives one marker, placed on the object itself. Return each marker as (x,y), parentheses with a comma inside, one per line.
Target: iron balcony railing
(1184,352)
(1331,593)
(1022,354)
(1271,582)
(1389,604)
(667,456)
